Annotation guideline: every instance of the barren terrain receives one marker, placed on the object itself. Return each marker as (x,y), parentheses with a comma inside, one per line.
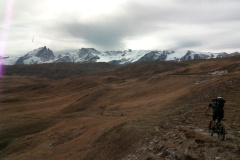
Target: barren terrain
(147,110)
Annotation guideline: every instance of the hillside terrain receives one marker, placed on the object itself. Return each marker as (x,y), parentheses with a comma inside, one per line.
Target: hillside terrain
(56,70)
(145,110)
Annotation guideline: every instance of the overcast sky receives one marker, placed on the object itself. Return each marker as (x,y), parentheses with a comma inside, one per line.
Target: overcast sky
(63,25)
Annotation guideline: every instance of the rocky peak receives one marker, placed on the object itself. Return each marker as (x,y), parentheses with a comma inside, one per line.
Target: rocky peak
(84,51)
(45,54)
(37,56)
(154,55)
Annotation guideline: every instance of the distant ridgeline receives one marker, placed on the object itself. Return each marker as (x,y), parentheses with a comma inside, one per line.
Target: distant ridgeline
(45,55)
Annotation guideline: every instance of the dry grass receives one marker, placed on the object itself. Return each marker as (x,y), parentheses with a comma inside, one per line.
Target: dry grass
(116,112)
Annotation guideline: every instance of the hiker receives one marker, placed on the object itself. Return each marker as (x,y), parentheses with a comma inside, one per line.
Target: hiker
(218,112)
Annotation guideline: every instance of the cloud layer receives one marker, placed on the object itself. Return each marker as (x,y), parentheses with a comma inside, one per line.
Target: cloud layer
(116,25)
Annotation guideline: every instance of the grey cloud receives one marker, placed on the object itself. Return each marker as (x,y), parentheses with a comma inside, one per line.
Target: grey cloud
(188,44)
(147,18)
(186,11)
(99,34)
(171,21)
(110,33)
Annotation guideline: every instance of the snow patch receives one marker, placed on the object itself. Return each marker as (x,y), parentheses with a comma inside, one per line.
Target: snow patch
(218,72)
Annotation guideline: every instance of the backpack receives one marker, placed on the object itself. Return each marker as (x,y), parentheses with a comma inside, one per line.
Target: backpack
(220,103)
(213,105)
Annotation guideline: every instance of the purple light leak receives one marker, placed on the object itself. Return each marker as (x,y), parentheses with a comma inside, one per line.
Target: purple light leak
(4,32)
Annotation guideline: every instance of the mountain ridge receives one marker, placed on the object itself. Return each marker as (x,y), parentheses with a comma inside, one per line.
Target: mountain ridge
(46,55)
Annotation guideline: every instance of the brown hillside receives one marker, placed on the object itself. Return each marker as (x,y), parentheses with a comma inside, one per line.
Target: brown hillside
(146,110)
(56,70)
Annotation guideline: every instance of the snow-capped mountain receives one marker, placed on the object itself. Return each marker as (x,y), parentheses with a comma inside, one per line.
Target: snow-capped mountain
(155,56)
(45,55)
(122,57)
(81,55)
(40,55)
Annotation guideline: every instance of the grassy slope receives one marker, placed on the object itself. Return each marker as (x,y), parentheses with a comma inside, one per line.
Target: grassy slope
(141,110)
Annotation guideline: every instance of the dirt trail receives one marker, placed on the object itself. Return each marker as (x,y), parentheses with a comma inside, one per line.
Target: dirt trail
(183,134)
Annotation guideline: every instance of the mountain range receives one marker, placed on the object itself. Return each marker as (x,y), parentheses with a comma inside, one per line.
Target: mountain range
(45,55)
